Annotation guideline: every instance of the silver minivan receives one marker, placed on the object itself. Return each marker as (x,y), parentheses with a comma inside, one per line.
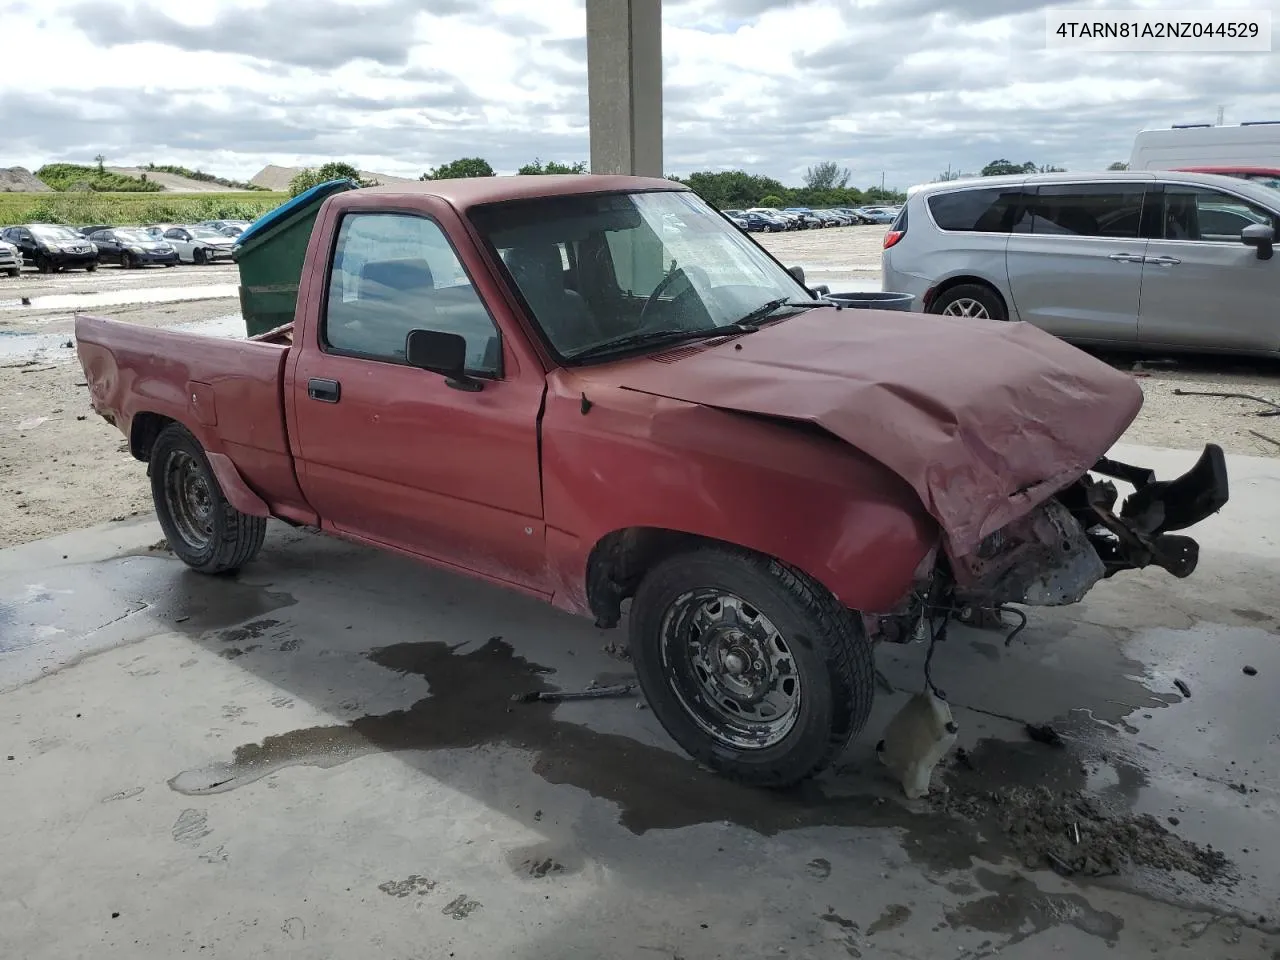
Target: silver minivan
(1138,259)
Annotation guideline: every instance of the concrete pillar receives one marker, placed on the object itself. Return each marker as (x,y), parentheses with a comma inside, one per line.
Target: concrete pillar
(624,86)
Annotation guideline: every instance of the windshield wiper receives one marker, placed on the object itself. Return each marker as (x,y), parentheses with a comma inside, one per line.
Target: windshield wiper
(652,338)
(762,311)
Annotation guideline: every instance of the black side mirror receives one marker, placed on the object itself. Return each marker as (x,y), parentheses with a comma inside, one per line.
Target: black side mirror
(1261,237)
(798,273)
(442,353)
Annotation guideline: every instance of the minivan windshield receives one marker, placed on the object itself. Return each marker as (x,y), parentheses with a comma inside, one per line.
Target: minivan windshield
(613,272)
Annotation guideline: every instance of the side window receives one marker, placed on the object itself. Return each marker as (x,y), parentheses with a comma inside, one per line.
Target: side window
(1192,213)
(1089,210)
(174,234)
(393,273)
(984,211)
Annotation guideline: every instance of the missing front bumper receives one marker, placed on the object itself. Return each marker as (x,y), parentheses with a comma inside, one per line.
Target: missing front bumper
(1056,554)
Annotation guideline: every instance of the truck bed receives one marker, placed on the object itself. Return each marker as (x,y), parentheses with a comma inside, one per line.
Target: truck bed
(227,392)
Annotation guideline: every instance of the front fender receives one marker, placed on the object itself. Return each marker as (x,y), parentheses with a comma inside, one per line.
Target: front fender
(631,460)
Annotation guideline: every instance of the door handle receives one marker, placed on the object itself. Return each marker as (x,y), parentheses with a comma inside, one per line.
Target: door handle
(1127,258)
(1163,261)
(326,391)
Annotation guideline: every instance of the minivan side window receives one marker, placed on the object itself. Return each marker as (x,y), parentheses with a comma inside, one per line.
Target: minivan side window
(988,210)
(1198,213)
(1088,210)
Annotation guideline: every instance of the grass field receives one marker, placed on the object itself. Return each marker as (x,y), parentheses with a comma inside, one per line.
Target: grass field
(122,209)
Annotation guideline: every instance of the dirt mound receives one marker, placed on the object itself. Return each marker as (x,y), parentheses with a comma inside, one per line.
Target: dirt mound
(1072,833)
(172,182)
(20,180)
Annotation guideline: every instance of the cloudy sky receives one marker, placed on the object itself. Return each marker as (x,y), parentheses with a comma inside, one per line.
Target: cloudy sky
(900,87)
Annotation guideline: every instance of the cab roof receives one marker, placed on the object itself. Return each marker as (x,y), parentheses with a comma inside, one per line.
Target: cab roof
(474,191)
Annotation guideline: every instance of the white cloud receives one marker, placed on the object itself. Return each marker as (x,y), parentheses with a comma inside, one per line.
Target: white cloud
(907,87)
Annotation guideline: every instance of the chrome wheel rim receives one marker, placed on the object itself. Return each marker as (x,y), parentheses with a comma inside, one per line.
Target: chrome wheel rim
(189,499)
(731,669)
(966,307)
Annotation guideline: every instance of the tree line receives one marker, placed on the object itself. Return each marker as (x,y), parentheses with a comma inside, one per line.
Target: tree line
(825,184)
(997,168)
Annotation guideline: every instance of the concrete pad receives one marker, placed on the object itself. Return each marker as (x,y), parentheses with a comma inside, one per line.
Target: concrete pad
(321,757)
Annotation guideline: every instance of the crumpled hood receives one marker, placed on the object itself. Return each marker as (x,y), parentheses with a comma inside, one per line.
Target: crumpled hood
(985,420)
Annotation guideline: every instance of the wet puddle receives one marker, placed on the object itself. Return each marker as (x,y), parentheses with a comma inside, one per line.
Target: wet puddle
(471,705)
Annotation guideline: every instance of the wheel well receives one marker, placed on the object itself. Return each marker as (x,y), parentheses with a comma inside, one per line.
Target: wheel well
(953,282)
(143,431)
(620,560)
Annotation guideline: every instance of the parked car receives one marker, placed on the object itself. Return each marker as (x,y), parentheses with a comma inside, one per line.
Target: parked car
(88,231)
(880,215)
(739,220)
(133,247)
(808,219)
(830,218)
(763,223)
(780,494)
(199,245)
(50,247)
(789,221)
(1159,259)
(229,228)
(10,259)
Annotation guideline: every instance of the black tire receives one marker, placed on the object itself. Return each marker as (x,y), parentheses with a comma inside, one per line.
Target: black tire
(963,301)
(44,264)
(126,261)
(14,271)
(198,257)
(823,649)
(90,267)
(206,532)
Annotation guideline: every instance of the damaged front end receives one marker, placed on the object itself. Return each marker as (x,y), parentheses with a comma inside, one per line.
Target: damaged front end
(1054,555)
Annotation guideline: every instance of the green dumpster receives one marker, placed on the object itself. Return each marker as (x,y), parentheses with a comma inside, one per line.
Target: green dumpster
(270,253)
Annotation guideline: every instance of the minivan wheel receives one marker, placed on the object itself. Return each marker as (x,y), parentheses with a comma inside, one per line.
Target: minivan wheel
(970,300)
(752,668)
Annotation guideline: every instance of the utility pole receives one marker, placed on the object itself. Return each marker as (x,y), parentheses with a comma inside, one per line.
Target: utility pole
(1221,112)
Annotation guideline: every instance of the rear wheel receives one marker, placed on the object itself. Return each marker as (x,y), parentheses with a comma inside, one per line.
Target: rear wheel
(970,300)
(203,529)
(752,667)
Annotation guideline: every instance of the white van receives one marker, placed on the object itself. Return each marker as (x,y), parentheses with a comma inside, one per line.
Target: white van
(1249,151)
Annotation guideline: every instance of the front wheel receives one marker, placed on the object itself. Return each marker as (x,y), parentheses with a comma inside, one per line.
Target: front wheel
(13,271)
(44,264)
(90,267)
(753,668)
(203,529)
(970,300)
(198,258)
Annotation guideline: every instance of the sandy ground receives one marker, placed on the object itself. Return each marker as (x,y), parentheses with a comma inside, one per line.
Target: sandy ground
(63,468)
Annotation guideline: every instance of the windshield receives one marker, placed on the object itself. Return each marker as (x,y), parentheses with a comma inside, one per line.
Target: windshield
(55,233)
(135,236)
(206,233)
(600,268)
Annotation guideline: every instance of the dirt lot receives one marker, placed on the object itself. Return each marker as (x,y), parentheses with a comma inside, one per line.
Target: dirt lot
(62,468)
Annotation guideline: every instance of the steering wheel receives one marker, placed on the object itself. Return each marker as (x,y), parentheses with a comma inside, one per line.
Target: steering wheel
(657,292)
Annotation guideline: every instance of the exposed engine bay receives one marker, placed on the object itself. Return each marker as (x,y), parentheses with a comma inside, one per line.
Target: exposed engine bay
(1056,554)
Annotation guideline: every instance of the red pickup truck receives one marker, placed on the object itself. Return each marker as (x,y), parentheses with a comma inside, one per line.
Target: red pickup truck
(597,390)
